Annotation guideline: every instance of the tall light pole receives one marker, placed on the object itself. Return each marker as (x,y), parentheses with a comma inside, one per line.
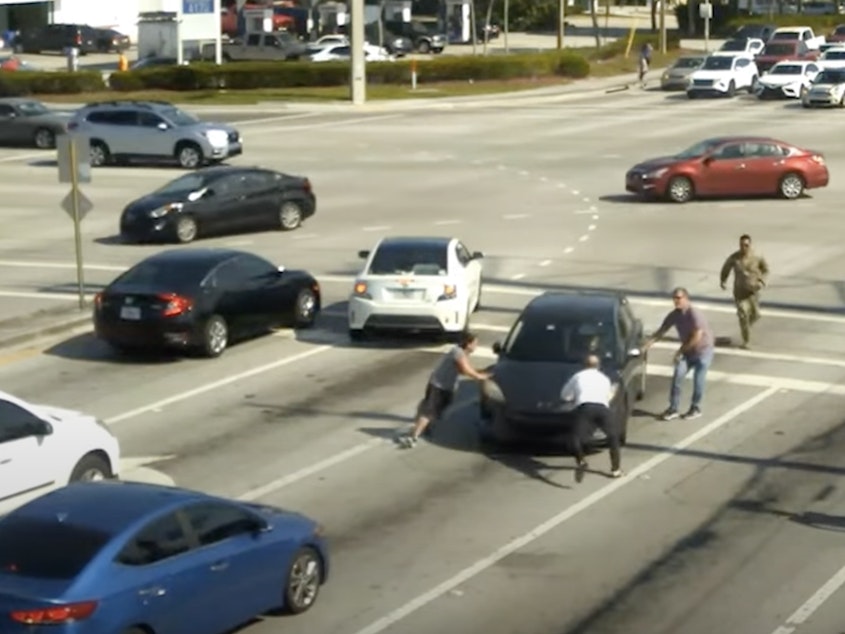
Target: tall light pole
(663,44)
(358,65)
(507,8)
(561,13)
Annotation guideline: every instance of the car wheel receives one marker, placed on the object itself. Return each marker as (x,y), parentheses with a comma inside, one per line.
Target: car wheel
(680,189)
(186,229)
(641,391)
(290,215)
(691,95)
(44,139)
(791,186)
(215,337)
(731,89)
(189,155)
(99,154)
(424,48)
(91,468)
(753,85)
(305,309)
(356,334)
(304,578)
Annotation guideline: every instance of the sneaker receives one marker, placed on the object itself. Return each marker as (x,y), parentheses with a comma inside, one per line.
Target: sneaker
(669,414)
(694,412)
(617,474)
(409,442)
(580,469)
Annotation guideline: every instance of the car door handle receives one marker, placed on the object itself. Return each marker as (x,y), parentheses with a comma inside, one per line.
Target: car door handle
(219,566)
(155,591)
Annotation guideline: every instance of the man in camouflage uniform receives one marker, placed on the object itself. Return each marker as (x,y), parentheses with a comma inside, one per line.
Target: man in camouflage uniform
(750,272)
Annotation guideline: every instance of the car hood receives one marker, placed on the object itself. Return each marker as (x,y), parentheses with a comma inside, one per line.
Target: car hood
(656,163)
(152,201)
(832,63)
(59,414)
(781,80)
(711,74)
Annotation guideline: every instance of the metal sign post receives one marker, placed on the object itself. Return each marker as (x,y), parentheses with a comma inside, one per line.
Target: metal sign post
(706,12)
(75,168)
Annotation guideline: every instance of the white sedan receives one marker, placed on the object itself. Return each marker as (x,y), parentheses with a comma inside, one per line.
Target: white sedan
(43,448)
(342,52)
(790,79)
(722,75)
(429,285)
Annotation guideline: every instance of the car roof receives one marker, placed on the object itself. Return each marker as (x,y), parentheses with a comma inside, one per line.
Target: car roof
(748,139)
(575,303)
(412,242)
(14,101)
(211,257)
(111,506)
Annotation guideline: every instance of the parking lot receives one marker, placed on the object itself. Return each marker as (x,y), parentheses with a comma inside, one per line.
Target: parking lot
(702,532)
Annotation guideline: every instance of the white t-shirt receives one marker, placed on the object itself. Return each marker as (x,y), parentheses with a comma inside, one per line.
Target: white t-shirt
(587,386)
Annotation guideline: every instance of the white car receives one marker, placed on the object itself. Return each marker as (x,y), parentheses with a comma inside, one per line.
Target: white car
(327,40)
(751,45)
(429,285)
(339,52)
(828,89)
(833,58)
(791,79)
(723,75)
(43,448)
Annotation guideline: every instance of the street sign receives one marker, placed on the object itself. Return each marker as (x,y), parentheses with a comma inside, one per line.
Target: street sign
(73,155)
(84,204)
(705,11)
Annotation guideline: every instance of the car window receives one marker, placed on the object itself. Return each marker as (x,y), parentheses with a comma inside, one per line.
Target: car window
(149,120)
(164,276)
(184,184)
(727,152)
(23,551)
(341,50)
(6,110)
(227,276)
(719,62)
(763,150)
(258,181)
(742,63)
(811,68)
(270,40)
(253,39)
(114,117)
(464,255)
(252,266)
(226,186)
(559,340)
(15,422)
(161,539)
(393,259)
(214,522)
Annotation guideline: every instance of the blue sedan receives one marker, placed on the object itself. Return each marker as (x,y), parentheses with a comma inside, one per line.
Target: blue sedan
(127,558)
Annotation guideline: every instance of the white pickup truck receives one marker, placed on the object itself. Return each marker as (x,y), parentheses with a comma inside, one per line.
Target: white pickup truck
(802,33)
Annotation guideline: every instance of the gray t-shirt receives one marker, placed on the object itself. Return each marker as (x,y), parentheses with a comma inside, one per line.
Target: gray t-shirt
(686,323)
(446,374)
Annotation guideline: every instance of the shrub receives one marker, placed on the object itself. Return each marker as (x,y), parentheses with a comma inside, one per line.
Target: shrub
(25,83)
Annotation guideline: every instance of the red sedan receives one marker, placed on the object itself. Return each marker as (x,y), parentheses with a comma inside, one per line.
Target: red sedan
(730,166)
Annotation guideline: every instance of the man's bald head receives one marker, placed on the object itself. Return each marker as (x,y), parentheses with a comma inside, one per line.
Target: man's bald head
(592,361)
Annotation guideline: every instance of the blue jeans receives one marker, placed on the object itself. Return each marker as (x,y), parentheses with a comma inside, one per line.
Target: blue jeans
(699,365)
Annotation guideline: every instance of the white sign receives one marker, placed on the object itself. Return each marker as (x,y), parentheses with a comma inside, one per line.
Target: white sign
(199,19)
(705,11)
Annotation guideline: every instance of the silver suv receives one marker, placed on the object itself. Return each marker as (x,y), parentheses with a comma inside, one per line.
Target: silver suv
(120,131)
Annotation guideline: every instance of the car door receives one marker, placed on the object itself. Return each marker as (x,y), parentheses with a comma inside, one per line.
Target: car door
(723,171)
(232,544)
(8,124)
(630,331)
(116,128)
(260,205)
(743,73)
(24,467)
(470,270)
(233,299)
(166,578)
(152,139)
(764,166)
(269,293)
(222,212)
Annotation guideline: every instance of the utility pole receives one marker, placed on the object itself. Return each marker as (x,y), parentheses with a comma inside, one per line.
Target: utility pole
(358,65)
(662,25)
(507,7)
(561,14)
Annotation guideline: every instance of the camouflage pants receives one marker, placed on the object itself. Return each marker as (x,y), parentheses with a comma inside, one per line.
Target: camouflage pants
(748,311)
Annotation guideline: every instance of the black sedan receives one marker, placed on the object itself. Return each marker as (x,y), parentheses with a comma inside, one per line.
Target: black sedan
(198,300)
(544,348)
(216,201)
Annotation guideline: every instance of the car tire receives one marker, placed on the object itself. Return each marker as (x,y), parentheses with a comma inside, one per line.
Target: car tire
(290,215)
(44,139)
(424,48)
(305,575)
(189,155)
(186,229)
(215,337)
(305,309)
(753,86)
(691,95)
(91,467)
(680,189)
(357,334)
(99,154)
(643,388)
(731,89)
(791,186)
(841,103)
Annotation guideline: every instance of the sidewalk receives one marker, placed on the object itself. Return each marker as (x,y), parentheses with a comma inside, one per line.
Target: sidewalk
(23,329)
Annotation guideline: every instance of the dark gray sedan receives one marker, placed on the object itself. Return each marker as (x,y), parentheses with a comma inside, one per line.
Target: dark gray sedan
(30,123)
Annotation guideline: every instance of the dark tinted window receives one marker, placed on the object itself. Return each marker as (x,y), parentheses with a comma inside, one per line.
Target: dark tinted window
(160,540)
(779,49)
(6,110)
(734,45)
(252,267)
(184,184)
(391,259)
(258,180)
(15,422)
(182,276)
(557,339)
(215,522)
(719,62)
(149,120)
(114,117)
(44,549)
(830,76)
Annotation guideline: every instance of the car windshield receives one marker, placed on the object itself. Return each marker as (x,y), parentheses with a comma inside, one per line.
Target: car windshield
(831,77)
(420,259)
(182,277)
(787,69)
(32,108)
(734,45)
(558,340)
(183,184)
(688,62)
(718,62)
(699,149)
(179,117)
(46,549)
(779,49)
(834,55)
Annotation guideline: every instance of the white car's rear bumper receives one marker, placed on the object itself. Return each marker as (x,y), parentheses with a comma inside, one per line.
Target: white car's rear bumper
(443,316)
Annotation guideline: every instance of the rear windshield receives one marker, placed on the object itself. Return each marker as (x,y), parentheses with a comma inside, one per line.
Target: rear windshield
(786,35)
(164,276)
(734,45)
(404,259)
(834,55)
(43,549)
(559,340)
(779,49)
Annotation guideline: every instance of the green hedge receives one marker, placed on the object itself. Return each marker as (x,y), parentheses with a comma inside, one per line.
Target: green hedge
(25,83)
(250,75)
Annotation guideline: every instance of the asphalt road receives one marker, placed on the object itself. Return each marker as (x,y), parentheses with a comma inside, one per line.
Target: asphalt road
(727,523)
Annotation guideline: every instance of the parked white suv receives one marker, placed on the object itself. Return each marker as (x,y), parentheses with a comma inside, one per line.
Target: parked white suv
(722,75)
(43,448)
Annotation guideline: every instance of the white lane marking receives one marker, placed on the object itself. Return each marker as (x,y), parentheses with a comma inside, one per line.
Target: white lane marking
(447,222)
(26,157)
(811,605)
(759,380)
(583,238)
(523,173)
(595,217)
(544,179)
(24,264)
(515,216)
(568,250)
(376,228)
(591,228)
(582,212)
(289,117)
(501,168)
(586,200)
(561,185)
(518,276)
(593,208)
(215,385)
(330,124)
(575,191)
(545,263)
(62,297)
(468,573)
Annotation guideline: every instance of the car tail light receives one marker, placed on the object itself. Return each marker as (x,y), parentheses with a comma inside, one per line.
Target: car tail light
(306,185)
(176,304)
(98,301)
(360,288)
(78,40)
(450,291)
(55,614)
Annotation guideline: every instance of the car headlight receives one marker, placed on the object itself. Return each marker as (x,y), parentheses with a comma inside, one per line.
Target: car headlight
(217,137)
(163,211)
(657,173)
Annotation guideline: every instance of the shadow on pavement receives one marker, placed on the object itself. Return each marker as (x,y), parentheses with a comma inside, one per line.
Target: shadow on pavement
(87,347)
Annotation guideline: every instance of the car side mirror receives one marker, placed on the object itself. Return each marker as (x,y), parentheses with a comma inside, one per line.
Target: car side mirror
(497,348)
(162,126)
(363,254)
(261,527)
(634,353)
(477,255)
(42,428)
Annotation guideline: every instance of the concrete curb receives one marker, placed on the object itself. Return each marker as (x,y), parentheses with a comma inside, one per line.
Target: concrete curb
(53,322)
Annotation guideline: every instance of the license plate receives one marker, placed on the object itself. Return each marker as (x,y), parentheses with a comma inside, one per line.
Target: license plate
(130,312)
(407,293)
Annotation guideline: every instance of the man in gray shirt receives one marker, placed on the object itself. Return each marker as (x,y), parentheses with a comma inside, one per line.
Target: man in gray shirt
(696,352)
(443,383)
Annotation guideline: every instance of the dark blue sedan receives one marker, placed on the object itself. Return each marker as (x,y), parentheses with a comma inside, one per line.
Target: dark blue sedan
(128,558)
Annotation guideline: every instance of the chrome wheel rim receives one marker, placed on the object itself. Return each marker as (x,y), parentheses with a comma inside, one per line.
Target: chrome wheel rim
(290,215)
(92,475)
(189,157)
(217,336)
(680,189)
(44,139)
(791,187)
(304,581)
(186,229)
(307,304)
(98,155)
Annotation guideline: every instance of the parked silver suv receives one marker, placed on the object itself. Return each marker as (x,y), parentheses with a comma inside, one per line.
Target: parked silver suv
(121,131)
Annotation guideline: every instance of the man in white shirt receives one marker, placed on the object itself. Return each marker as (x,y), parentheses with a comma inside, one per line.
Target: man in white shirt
(590,391)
